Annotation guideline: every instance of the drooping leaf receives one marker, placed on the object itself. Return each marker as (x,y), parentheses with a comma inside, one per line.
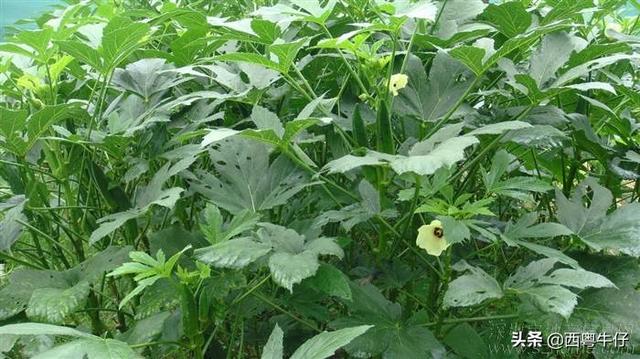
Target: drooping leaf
(93,348)
(471,288)
(10,227)
(41,329)
(289,269)
(553,298)
(325,344)
(274,349)
(548,292)
(577,278)
(445,154)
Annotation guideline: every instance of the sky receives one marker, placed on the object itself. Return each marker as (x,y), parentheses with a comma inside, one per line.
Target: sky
(14,10)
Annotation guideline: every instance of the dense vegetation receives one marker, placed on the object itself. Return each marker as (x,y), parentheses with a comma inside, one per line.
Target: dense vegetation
(242,179)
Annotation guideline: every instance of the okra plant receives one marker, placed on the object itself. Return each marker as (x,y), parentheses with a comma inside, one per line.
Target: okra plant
(321,178)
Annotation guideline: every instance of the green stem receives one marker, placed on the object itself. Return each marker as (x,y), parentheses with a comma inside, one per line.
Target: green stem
(453,109)
(8,257)
(284,311)
(442,290)
(344,59)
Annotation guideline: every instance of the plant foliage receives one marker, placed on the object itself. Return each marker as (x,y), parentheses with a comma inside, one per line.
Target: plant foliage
(247,179)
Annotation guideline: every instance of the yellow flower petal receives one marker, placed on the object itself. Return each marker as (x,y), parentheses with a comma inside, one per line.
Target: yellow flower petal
(431,238)
(397,82)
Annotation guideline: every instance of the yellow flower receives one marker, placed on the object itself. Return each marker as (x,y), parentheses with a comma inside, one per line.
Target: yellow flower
(431,238)
(397,82)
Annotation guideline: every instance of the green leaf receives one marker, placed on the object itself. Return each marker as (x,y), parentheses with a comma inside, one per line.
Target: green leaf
(274,349)
(520,41)
(215,230)
(20,136)
(332,281)
(53,305)
(324,246)
(287,52)
(148,196)
(510,18)
(11,126)
(235,253)
(608,310)
(246,180)
(430,99)
(466,342)
(391,336)
(563,9)
(325,344)
(94,348)
(472,288)
(552,53)
(527,276)
(577,278)
(289,269)
(553,298)
(41,329)
(499,127)
(83,53)
(619,230)
(120,38)
(25,284)
(588,67)
(424,9)
(357,213)
(456,230)
(546,251)
(38,40)
(319,13)
(268,31)
(267,120)
(572,212)
(525,228)
(471,56)
(10,227)
(112,222)
(536,136)
(145,330)
(147,77)
(350,162)
(445,154)
(546,291)
(161,295)
(251,58)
